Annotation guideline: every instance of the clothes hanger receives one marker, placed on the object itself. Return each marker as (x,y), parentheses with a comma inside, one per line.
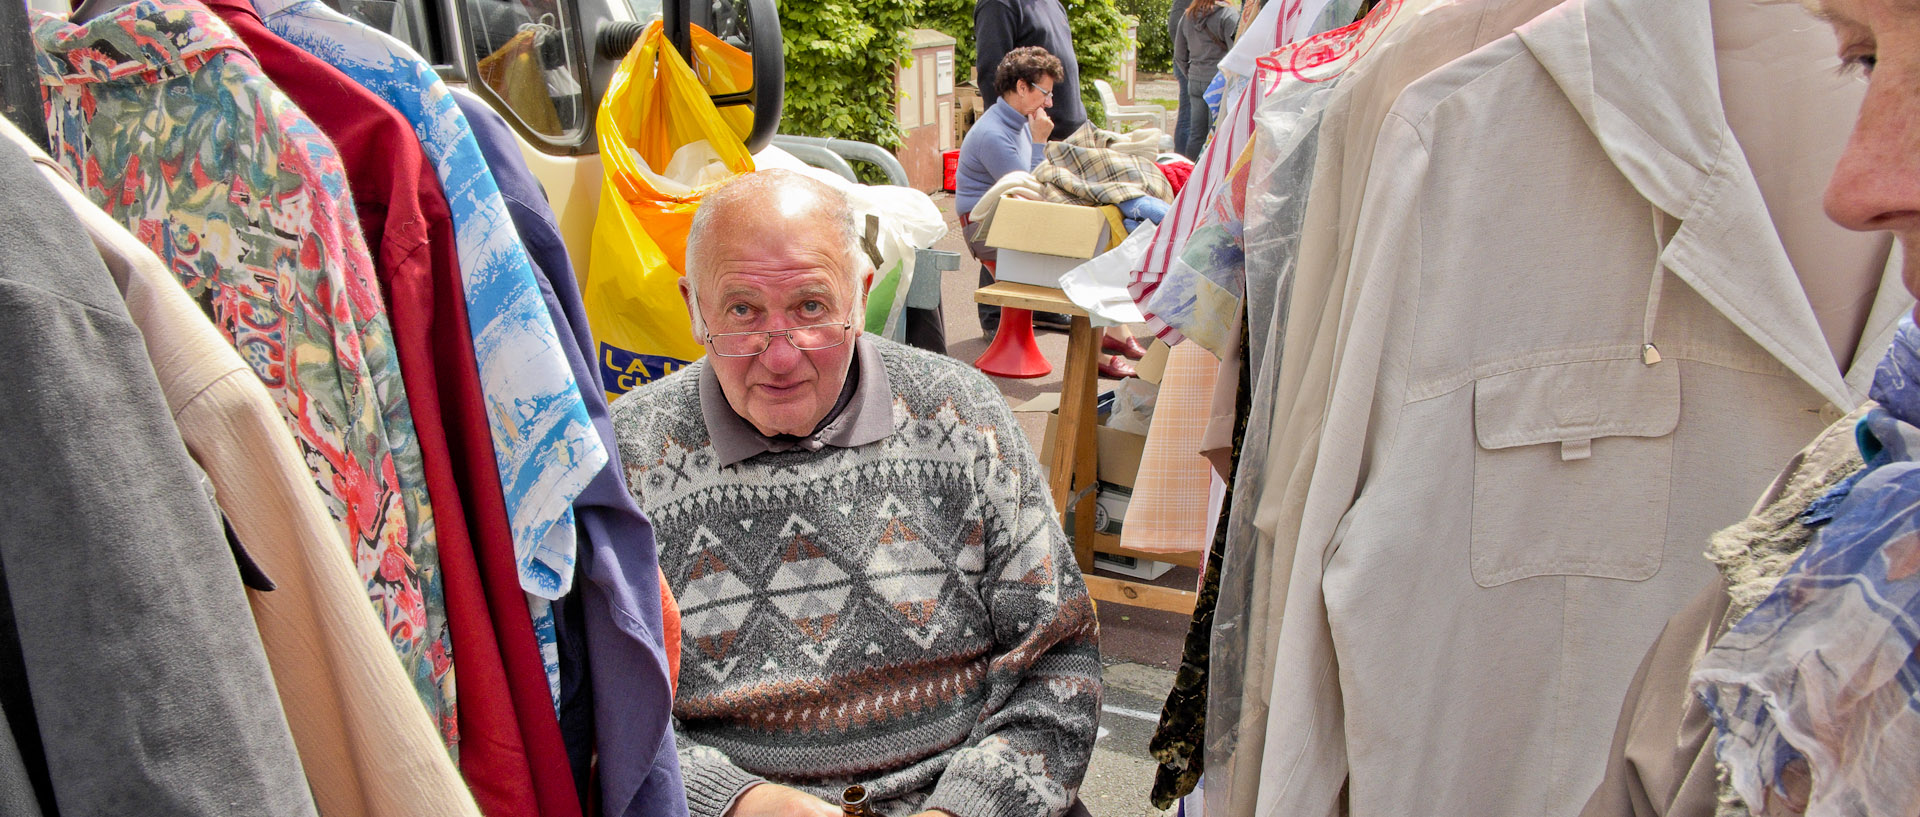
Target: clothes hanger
(89,9)
(20,74)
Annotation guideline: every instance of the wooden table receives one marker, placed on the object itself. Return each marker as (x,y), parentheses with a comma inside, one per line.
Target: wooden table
(1072,465)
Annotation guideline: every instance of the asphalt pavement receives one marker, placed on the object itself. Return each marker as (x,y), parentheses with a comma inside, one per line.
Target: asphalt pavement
(1140,647)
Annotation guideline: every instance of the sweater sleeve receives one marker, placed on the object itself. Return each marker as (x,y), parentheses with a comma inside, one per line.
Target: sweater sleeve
(994,29)
(712,781)
(1005,155)
(1035,737)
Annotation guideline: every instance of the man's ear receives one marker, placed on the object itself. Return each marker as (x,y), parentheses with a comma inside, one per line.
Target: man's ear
(693,311)
(866,283)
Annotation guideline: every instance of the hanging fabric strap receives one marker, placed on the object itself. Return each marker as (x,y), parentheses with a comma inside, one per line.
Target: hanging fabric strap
(1650,354)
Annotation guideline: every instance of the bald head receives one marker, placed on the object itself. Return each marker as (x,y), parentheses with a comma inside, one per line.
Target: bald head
(769,204)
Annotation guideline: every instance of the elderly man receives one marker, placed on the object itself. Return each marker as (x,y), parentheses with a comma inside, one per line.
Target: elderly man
(875,588)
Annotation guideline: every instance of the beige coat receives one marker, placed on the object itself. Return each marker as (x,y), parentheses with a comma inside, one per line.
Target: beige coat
(365,742)
(1506,503)
(1422,36)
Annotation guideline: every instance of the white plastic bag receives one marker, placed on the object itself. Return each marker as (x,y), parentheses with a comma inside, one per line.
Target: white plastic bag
(1100,285)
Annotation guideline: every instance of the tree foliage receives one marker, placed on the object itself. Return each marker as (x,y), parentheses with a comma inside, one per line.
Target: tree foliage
(1156,48)
(840,66)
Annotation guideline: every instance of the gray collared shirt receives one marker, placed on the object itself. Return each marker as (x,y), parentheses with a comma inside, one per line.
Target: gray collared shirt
(863,414)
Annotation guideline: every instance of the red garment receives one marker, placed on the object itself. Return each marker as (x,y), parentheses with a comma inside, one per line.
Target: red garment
(409,232)
(670,630)
(1177,173)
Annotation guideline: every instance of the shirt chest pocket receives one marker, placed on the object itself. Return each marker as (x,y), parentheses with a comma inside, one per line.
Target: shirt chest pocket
(1572,471)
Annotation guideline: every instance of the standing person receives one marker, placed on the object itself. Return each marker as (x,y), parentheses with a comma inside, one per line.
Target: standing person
(1000,26)
(1205,35)
(1009,138)
(1174,12)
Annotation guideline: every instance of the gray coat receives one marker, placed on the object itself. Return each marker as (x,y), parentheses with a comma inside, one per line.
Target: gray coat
(1200,43)
(148,683)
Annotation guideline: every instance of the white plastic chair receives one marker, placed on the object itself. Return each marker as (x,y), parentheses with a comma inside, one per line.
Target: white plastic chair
(1152,116)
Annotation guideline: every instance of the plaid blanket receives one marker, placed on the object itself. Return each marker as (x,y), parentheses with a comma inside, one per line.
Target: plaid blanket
(1085,169)
(1815,694)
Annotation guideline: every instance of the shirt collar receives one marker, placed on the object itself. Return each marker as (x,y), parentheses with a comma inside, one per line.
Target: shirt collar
(144,41)
(863,414)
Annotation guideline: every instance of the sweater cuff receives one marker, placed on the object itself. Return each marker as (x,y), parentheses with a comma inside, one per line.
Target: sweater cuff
(713,787)
(963,796)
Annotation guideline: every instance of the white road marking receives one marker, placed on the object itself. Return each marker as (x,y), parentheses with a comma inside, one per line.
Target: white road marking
(1153,717)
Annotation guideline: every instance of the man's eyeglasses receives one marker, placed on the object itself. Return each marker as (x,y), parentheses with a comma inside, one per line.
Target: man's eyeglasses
(805,338)
(1046,92)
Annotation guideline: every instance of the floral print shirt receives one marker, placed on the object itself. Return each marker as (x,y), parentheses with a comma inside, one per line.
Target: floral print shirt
(167,120)
(543,439)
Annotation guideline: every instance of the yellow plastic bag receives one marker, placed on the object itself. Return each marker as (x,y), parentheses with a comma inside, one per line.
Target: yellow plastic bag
(655,110)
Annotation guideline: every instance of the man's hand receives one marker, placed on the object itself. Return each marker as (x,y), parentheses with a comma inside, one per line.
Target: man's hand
(1040,124)
(772,800)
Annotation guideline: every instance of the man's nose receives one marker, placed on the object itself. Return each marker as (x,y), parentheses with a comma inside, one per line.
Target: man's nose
(781,355)
(1876,185)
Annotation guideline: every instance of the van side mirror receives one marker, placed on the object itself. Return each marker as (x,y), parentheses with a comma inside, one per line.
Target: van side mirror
(756,32)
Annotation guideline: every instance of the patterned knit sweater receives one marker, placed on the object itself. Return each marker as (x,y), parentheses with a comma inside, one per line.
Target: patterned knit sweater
(905,614)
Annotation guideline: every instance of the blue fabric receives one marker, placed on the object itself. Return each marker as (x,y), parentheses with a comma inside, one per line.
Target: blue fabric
(997,145)
(639,770)
(1145,208)
(543,438)
(1216,90)
(1822,680)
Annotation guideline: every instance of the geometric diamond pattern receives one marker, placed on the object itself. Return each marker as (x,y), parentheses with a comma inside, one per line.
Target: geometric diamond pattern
(903,571)
(807,587)
(713,603)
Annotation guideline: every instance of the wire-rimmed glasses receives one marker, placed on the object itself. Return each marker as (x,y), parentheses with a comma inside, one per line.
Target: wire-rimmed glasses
(805,338)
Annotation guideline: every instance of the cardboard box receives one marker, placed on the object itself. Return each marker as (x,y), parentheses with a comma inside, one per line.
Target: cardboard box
(1118,465)
(1117,452)
(1153,366)
(1040,241)
(967,108)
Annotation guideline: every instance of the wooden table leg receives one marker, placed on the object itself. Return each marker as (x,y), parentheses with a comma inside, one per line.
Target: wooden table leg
(1079,392)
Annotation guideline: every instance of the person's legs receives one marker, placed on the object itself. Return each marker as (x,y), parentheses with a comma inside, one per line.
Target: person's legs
(1180,123)
(989,315)
(1199,125)
(926,328)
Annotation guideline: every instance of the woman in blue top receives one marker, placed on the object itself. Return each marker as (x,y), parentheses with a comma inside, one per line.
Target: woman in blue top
(1011,136)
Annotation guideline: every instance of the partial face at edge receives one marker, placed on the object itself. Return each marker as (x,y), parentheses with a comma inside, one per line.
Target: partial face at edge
(1876,185)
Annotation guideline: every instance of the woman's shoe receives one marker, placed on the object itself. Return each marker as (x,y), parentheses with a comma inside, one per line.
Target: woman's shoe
(1116,367)
(1130,347)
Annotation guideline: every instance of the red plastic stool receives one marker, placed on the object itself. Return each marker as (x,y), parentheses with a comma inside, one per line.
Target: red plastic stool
(1014,351)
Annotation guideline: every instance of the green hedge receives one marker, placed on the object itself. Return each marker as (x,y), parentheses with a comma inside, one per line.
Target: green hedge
(1099,38)
(1156,50)
(840,61)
